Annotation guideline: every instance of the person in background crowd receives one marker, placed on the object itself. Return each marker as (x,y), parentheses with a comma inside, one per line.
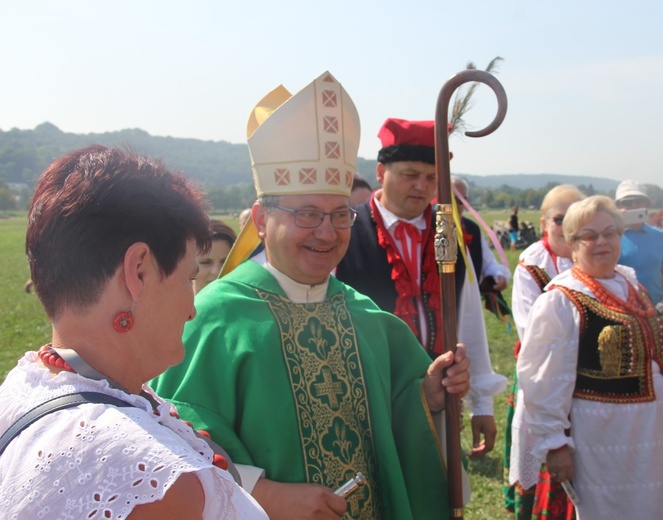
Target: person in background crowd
(513,228)
(296,373)
(642,244)
(656,219)
(210,263)
(361,190)
(488,265)
(471,325)
(537,265)
(391,259)
(111,240)
(244,216)
(589,370)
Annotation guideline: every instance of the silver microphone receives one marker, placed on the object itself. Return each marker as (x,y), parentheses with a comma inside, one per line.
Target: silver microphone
(351,485)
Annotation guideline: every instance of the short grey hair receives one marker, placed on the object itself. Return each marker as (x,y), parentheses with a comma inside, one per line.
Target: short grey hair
(266,201)
(581,212)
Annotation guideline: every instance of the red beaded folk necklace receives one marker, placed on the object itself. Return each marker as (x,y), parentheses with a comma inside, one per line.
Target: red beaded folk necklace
(636,303)
(50,357)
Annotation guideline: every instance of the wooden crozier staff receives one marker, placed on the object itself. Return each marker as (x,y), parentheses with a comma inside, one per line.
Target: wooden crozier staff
(445,255)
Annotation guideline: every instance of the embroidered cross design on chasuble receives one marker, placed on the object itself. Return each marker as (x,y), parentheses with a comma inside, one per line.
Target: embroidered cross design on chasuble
(330,397)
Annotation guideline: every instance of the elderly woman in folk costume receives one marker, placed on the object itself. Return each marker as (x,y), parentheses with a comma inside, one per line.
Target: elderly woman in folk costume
(537,265)
(112,241)
(590,372)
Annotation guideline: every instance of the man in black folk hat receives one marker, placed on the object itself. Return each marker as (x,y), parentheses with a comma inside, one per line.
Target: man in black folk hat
(391,258)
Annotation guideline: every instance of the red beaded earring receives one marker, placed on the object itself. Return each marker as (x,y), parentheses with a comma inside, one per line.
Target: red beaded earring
(124,320)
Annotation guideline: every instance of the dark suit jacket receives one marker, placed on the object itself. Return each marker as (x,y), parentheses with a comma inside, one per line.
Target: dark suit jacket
(365,265)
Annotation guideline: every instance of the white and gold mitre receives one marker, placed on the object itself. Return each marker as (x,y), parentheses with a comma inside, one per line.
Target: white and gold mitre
(306,143)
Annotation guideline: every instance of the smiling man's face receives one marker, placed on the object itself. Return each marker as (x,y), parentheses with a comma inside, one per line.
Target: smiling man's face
(307,256)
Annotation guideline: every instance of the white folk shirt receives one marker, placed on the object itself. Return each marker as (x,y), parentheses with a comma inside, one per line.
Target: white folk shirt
(484,382)
(525,290)
(524,293)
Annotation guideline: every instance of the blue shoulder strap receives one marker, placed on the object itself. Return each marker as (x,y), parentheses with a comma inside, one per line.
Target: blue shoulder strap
(54,405)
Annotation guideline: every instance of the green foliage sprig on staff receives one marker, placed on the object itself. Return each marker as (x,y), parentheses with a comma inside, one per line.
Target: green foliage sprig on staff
(463,99)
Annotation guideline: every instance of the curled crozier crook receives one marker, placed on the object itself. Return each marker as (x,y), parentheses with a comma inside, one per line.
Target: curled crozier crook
(442,109)
(446,253)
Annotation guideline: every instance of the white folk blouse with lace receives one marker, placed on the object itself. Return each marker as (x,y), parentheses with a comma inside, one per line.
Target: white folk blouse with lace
(525,291)
(96,461)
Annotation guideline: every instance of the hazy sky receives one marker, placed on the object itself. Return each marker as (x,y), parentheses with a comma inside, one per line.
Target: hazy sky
(584,78)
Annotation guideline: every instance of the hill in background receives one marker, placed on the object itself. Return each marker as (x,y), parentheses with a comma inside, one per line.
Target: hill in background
(24,154)
(540,180)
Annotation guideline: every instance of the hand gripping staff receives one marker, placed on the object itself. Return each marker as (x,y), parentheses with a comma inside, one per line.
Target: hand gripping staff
(446,253)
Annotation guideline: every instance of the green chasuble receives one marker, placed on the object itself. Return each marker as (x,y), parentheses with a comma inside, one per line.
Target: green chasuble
(312,392)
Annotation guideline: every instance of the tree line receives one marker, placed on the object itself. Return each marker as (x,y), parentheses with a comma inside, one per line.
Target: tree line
(222,168)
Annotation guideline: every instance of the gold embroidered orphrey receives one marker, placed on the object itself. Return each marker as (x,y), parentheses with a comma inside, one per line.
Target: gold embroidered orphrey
(330,396)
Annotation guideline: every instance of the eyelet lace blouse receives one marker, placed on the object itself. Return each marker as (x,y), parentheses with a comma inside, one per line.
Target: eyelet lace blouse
(96,461)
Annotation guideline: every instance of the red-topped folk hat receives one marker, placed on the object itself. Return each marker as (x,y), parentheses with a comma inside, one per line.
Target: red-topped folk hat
(404,140)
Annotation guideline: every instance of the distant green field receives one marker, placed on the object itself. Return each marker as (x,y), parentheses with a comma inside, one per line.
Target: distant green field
(23,326)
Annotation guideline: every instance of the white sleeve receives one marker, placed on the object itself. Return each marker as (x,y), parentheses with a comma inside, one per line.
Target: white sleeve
(249,475)
(484,382)
(547,367)
(524,293)
(489,264)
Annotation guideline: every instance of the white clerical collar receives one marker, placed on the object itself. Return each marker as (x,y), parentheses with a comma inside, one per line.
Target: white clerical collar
(295,291)
(390,220)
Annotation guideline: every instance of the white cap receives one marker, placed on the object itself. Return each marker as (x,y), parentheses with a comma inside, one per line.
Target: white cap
(306,143)
(629,189)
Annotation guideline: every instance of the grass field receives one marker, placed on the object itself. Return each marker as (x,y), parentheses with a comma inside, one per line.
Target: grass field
(23,326)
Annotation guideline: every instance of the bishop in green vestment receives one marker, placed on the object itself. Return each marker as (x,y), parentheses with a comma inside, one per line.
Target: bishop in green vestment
(312,392)
(295,373)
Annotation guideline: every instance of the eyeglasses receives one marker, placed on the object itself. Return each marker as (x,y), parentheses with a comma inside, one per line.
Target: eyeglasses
(631,203)
(591,237)
(312,218)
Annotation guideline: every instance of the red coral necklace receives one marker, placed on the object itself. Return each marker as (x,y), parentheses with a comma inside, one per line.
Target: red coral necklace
(636,303)
(50,357)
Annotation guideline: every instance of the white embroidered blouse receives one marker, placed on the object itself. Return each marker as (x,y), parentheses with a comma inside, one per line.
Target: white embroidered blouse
(98,461)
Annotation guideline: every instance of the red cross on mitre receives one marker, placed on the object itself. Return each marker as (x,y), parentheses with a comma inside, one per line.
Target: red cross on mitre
(349,177)
(329,98)
(332,150)
(333,176)
(308,176)
(330,124)
(282,176)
